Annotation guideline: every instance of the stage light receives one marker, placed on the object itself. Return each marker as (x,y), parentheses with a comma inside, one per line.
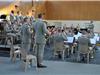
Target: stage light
(37,0)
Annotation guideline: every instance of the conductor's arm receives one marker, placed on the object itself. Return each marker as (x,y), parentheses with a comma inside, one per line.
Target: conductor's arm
(46,30)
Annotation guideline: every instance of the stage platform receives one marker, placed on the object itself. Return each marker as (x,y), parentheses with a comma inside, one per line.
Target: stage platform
(53,68)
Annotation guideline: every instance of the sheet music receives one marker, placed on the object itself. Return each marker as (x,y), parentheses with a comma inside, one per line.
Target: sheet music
(70,39)
(76,37)
(92,41)
(79,34)
(95,34)
(96,38)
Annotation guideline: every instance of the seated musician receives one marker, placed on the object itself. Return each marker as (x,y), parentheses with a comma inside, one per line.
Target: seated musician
(83,44)
(58,37)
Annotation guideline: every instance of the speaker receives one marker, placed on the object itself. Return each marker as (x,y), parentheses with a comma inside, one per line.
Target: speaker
(3,16)
(1,27)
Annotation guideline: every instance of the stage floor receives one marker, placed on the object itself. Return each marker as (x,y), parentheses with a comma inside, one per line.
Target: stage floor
(53,68)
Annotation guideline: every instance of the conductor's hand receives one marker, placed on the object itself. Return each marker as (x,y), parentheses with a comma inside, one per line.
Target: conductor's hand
(49,33)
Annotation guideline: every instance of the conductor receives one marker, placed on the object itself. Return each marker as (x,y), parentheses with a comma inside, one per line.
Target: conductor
(40,30)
